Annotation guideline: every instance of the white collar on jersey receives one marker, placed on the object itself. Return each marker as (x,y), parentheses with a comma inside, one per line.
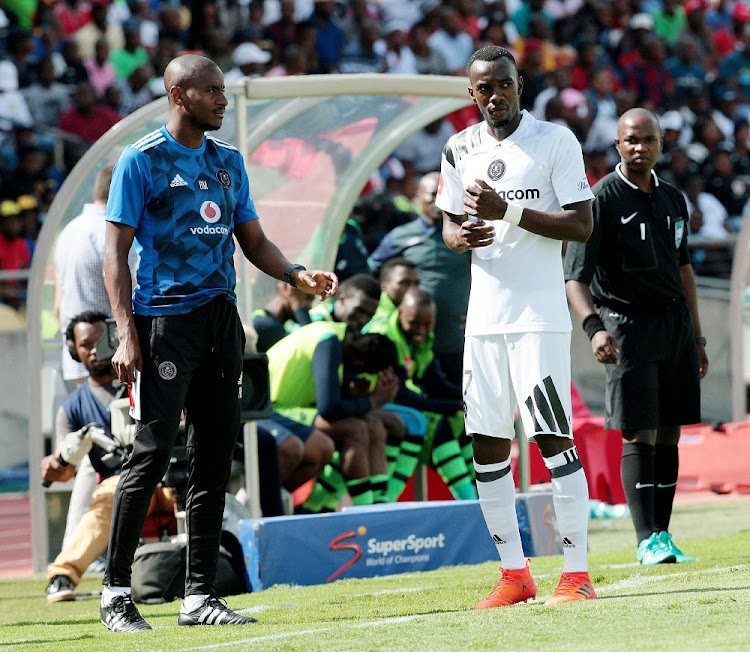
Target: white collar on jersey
(630,183)
(523,125)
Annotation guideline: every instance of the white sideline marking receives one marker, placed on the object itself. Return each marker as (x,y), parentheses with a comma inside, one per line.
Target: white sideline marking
(628,583)
(271,637)
(395,591)
(642,580)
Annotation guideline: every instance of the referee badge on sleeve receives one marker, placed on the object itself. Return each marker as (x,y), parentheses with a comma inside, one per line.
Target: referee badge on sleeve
(679,233)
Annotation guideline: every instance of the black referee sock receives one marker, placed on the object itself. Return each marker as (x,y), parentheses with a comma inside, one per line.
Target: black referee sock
(666,467)
(637,473)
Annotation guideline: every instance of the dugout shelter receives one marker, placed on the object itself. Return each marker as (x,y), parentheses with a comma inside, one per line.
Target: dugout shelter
(310,144)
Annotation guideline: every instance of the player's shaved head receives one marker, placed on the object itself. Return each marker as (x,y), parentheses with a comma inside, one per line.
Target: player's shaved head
(418,297)
(186,71)
(637,116)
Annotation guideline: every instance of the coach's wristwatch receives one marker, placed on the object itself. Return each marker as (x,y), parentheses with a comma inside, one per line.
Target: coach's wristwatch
(288,273)
(701,341)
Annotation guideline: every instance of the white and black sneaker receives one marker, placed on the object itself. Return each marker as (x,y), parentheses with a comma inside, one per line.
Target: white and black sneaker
(121,615)
(60,588)
(213,612)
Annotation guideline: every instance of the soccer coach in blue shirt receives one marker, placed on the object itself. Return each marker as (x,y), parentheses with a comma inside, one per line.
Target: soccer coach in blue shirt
(181,195)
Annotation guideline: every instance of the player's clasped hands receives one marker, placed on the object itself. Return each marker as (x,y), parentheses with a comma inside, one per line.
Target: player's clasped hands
(476,233)
(482,200)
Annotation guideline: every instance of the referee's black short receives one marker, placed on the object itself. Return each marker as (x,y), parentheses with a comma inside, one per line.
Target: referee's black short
(657,382)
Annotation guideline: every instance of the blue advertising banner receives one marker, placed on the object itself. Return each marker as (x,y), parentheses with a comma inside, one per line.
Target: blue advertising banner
(376,540)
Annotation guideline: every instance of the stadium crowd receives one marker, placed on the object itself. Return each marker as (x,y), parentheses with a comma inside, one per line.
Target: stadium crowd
(70,69)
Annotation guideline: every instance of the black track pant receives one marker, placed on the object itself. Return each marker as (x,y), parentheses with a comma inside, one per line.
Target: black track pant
(191,361)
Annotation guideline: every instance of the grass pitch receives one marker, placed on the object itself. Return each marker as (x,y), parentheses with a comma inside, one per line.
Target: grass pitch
(701,605)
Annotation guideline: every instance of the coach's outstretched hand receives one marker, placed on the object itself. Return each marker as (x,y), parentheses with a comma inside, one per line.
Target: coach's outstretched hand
(316,281)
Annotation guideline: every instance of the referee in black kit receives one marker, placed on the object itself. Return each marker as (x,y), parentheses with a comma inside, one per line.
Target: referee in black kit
(633,287)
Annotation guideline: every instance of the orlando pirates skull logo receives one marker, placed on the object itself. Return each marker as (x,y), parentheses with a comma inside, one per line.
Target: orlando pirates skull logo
(224,179)
(496,170)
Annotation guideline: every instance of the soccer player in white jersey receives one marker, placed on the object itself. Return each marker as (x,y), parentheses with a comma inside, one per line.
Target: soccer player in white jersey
(512,189)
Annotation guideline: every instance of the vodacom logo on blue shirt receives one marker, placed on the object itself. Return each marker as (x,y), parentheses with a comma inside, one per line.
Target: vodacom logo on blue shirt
(210,211)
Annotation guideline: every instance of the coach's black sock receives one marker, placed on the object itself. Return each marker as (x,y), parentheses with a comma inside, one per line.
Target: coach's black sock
(637,473)
(666,467)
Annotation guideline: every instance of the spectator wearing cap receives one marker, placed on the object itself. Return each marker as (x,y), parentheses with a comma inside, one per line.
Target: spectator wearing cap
(47,98)
(30,216)
(99,27)
(669,21)
(249,60)
(675,134)
(329,37)
(639,26)
(14,252)
(132,54)
(101,72)
(734,70)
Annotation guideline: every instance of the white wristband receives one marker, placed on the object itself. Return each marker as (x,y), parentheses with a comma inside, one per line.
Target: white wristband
(513,214)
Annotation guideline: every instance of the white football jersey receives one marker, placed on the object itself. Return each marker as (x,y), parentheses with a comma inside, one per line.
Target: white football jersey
(539,166)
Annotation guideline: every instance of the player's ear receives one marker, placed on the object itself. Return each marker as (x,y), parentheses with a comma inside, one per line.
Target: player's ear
(175,95)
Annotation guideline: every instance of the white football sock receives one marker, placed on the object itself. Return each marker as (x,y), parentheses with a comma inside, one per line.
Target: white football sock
(109,593)
(192,602)
(570,495)
(497,498)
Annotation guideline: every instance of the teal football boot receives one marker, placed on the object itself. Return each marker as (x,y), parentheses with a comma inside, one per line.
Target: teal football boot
(651,552)
(665,540)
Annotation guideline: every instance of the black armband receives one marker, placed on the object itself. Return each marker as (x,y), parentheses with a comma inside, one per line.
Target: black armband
(593,324)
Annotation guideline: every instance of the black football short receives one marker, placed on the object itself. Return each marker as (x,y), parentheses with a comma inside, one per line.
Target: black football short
(657,382)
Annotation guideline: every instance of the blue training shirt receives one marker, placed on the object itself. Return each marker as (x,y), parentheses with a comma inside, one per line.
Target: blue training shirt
(183,204)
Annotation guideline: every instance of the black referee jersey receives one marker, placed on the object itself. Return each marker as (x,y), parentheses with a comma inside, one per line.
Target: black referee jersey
(632,259)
